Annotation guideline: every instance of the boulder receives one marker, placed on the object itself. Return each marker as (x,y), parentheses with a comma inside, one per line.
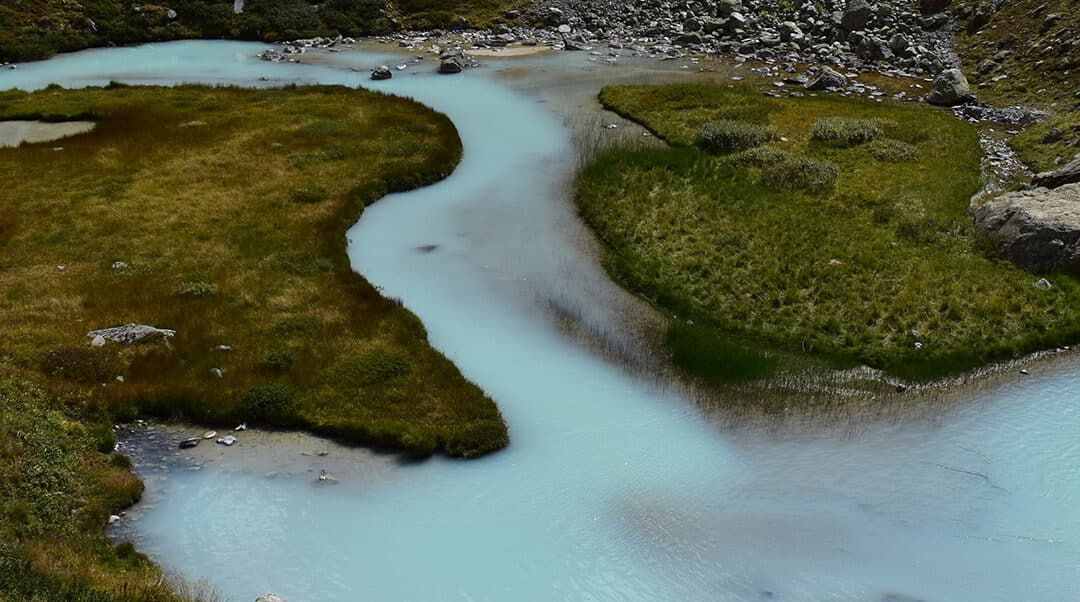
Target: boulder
(725,8)
(449,66)
(827,78)
(933,6)
(856,16)
(1037,230)
(130,334)
(381,72)
(950,88)
(1066,174)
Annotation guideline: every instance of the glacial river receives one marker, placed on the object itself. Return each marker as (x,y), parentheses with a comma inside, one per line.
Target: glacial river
(612,488)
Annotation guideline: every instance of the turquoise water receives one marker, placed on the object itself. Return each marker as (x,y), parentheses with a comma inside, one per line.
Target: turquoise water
(611,489)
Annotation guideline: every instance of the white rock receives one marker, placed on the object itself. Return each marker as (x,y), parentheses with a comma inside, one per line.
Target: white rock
(113,519)
(209,434)
(227,440)
(99,341)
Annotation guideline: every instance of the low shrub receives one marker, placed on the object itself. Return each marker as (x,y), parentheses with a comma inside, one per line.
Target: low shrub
(305,195)
(800,174)
(197,290)
(759,157)
(279,360)
(727,135)
(845,132)
(302,264)
(268,401)
(892,151)
(372,368)
(83,365)
(297,325)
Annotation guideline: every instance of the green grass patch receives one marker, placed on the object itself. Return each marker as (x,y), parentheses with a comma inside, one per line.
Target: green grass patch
(192,228)
(752,252)
(728,135)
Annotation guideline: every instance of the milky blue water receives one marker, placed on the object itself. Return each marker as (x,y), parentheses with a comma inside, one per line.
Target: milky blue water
(611,490)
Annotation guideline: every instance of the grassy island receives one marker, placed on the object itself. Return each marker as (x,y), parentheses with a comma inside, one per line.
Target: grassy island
(221,214)
(818,226)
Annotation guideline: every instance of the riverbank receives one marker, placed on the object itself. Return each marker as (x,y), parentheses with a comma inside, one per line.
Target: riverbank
(218,216)
(900,213)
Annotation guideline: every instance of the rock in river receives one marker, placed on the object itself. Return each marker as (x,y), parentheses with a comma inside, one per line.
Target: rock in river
(381,72)
(827,78)
(1038,230)
(189,442)
(270,598)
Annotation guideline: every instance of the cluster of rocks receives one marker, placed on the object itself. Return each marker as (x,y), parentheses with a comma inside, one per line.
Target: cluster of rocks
(129,334)
(853,34)
(288,51)
(1038,229)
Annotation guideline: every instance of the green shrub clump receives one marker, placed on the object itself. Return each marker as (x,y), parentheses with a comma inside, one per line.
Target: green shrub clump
(268,401)
(728,135)
(892,151)
(305,195)
(83,365)
(760,157)
(197,289)
(800,174)
(279,360)
(845,132)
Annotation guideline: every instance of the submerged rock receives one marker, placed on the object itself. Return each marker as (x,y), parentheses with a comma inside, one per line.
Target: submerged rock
(1037,230)
(1066,174)
(270,598)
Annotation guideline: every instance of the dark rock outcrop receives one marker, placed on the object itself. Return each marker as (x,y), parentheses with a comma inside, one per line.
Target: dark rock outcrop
(1066,174)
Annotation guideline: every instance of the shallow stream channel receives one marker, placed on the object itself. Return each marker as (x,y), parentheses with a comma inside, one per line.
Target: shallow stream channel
(614,487)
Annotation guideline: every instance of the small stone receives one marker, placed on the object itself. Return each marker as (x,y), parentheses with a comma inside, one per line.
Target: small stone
(98,341)
(209,434)
(1043,283)
(918,345)
(216,372)
(119,265)
(227,440)
(119,378)
(241,427)
(1024,372)
(189,442)
(270,598)
(113,519)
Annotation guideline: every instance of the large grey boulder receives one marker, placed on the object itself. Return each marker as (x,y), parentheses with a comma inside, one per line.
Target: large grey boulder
(827,78)
(1066,174)
(857,14)
(950,88)
(130,334)
(1038,230)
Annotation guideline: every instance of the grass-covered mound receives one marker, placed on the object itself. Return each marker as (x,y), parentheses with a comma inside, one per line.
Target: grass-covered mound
(34,29)
(59,481)
(1027,52)
(845,237)
(221,213)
